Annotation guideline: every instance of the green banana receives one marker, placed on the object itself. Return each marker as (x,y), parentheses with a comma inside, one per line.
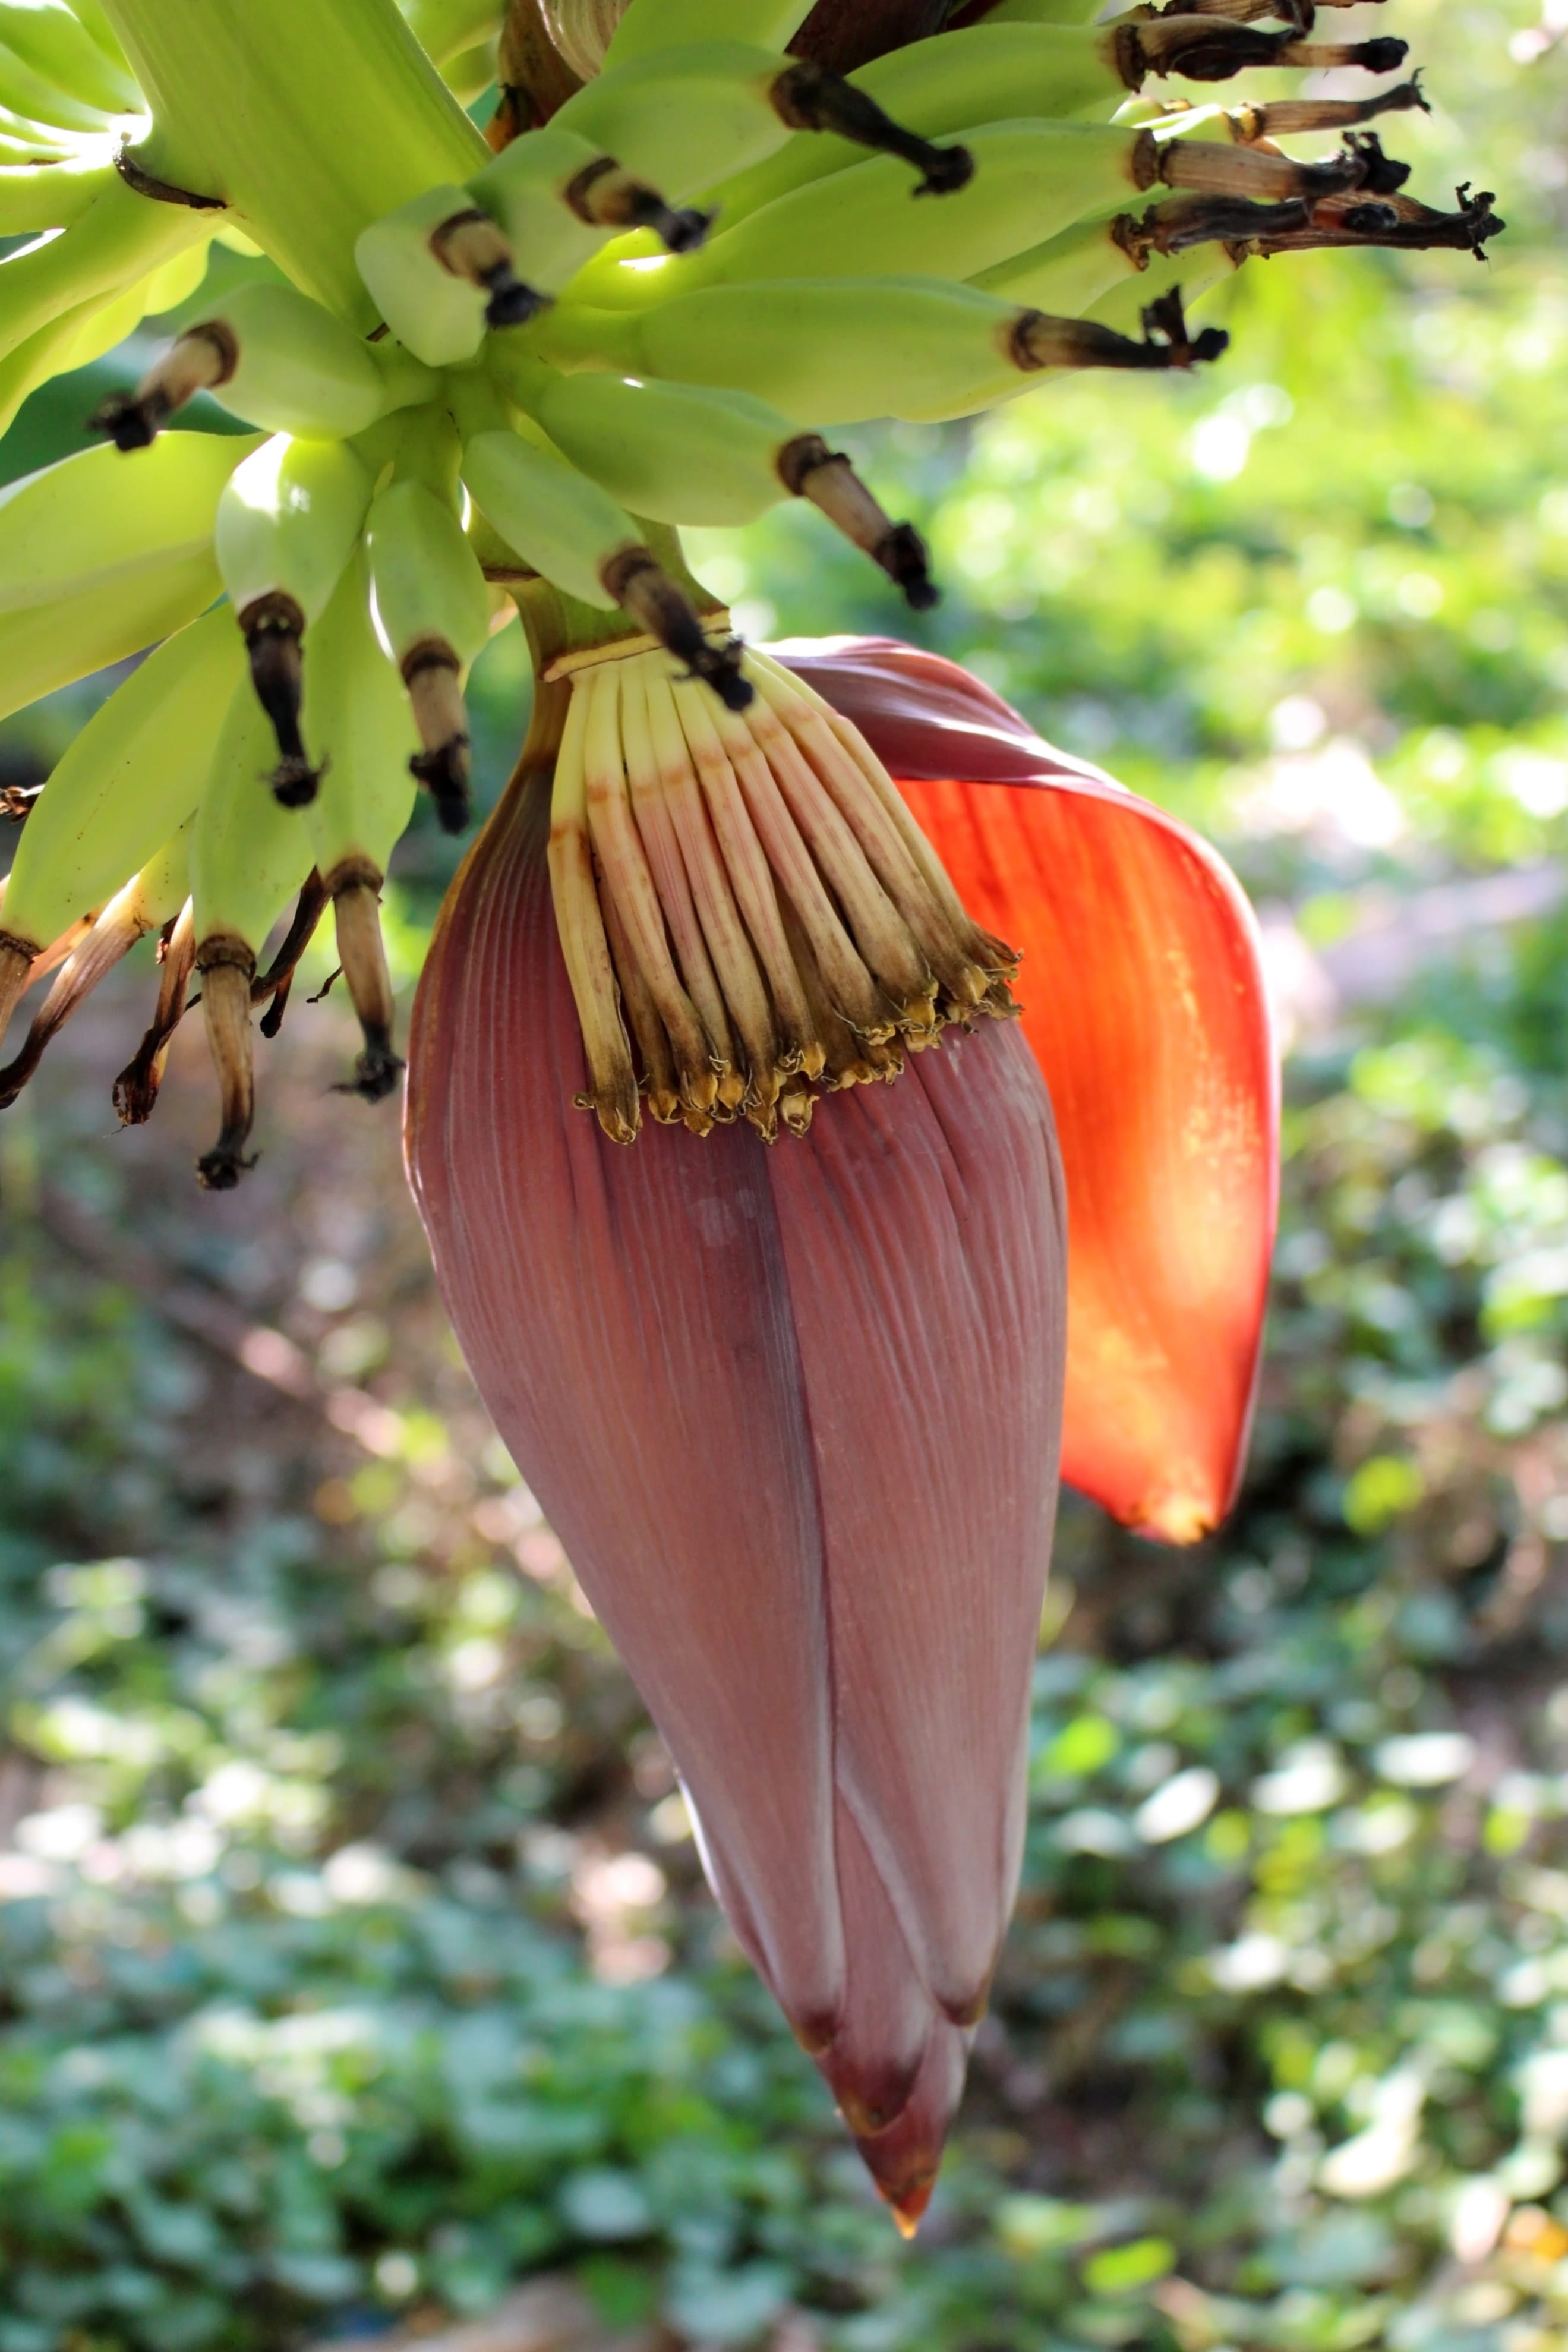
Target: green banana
(47,645)
(1032,181)
(658,25)
(440,271)
(849,348)
(470,74)
(274,357)
(90,522)
(433,612)
(564,525)
(444,28)
(988,73)
(691,453)
(90,15)
(119,238)
(51,42)
(560,523)
(50,196)
(134,773)
(288,520)
(357,710)
(249,856)
(692,117)
(28,92)
(559,198)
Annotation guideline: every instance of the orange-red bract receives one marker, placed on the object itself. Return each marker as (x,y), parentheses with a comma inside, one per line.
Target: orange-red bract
(1143,1001)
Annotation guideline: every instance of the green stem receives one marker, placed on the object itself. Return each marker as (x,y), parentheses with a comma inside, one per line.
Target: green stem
(311,118)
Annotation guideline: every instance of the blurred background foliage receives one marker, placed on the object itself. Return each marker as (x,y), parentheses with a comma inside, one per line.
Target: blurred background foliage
(353,1952)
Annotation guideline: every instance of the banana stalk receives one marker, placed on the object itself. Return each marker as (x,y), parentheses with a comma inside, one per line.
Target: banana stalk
(249,105)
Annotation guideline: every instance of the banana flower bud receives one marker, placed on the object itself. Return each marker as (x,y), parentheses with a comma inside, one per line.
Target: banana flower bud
(797,1414)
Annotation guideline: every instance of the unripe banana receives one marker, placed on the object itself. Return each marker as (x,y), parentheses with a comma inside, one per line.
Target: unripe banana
(993,71)
(650,26)
(560,523)
(686,454)
(1032,179)
(28,92)
(49,196)
(91,521)
(557,197)
(433,611)
(47,645)
(249,856)
(148,902)
(132,776)
(116,241)
(856,349)
(849,349)
(288,520)
(444,28)
(94,21)
(270,355)
(441,272)
(48,38)
(690,117)
(356,710)
(564,525)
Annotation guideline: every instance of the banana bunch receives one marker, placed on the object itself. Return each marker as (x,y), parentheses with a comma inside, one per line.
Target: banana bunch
(471,372)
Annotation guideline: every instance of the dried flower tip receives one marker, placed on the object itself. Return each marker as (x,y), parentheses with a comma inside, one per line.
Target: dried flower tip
(1283,117)
(469,245)
(808,98)
(810,469)
(609,198)
(1298,13)
(17,801)
(1039,341)
(114,933)
(201,359)
(272,986)
(273,627)
(355,889)
(17,958)
(228,968)
(136,1089)
(1398,222)
(638,582)
(1382,56)
(1230,170)
(1197,46)
(1182,222)
(432,675)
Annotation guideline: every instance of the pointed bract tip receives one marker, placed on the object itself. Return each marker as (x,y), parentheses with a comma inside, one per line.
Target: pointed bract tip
(909,2209)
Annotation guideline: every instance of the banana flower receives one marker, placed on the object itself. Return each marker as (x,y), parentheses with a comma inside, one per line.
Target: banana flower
(798,1415)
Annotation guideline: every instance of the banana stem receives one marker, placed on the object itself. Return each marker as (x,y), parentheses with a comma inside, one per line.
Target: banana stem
(309,118)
